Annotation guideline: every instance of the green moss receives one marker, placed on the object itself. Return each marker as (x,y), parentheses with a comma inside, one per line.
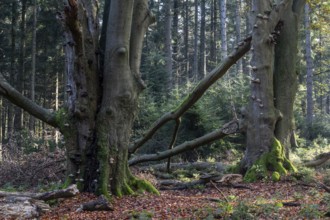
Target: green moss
(104,168)
(275,161)
(276,176)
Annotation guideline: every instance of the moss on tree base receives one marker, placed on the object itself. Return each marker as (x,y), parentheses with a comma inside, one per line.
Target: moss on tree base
(135,186)
(274,161)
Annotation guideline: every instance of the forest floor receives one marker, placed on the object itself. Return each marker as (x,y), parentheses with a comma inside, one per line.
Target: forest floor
(264,200)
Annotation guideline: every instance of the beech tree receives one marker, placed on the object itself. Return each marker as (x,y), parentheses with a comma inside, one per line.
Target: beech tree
(104,83)
(103,86)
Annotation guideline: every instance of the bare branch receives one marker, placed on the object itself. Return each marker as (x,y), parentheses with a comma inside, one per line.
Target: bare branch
(197,93)
(229,128)
(32,108)
(174,137)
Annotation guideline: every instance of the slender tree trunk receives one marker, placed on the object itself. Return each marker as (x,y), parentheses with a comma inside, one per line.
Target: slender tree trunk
(168,44)
(195,64)
(176,50)
(202,57)
(10,122)
(238,31)
(18,120)
(223,28)
(309,74)
(186,41)
(33,73)
(214,36)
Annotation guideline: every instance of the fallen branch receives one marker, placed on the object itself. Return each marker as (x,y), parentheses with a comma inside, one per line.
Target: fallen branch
(229,128)
(319,160)
(217,166)
(196,94)
(215,186)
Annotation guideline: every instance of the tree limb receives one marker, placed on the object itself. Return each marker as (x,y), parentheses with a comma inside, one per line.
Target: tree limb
(319,160)
(10,93)
(197,92)
(229,128)
(174,137)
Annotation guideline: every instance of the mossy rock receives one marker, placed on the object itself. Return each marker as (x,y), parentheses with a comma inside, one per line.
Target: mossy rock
(276,176)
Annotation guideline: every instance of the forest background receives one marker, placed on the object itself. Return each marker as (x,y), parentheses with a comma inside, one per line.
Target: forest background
(188,40)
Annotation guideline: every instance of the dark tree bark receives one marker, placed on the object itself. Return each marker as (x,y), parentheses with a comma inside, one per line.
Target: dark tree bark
(19,80)
(285,73)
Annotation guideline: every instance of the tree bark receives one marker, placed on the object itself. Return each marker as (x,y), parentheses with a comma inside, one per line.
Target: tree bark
(285,73)
(19,79)
(262,114)
(33,72)
(202,57)
(195,61)
(309,72)
(168,43)
(223,27)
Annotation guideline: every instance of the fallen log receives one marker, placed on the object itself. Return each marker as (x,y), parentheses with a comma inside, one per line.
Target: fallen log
(71,191)
(24,205)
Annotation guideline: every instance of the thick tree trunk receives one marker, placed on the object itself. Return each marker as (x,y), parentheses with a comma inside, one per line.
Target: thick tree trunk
(121,87)
(285,73)
(262,147)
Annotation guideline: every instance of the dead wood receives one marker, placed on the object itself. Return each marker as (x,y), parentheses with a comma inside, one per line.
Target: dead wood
(24,205)
(196,94)
(231,127)
(200,166)
(319,160)
(292,204)
(101,204)
(71,191)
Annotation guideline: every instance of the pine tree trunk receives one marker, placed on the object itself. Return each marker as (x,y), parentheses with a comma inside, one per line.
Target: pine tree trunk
(223,28)
(33,72)
(19,79)
(168,44)
(195,62)
(202,57)
(238,32)
(309,74)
